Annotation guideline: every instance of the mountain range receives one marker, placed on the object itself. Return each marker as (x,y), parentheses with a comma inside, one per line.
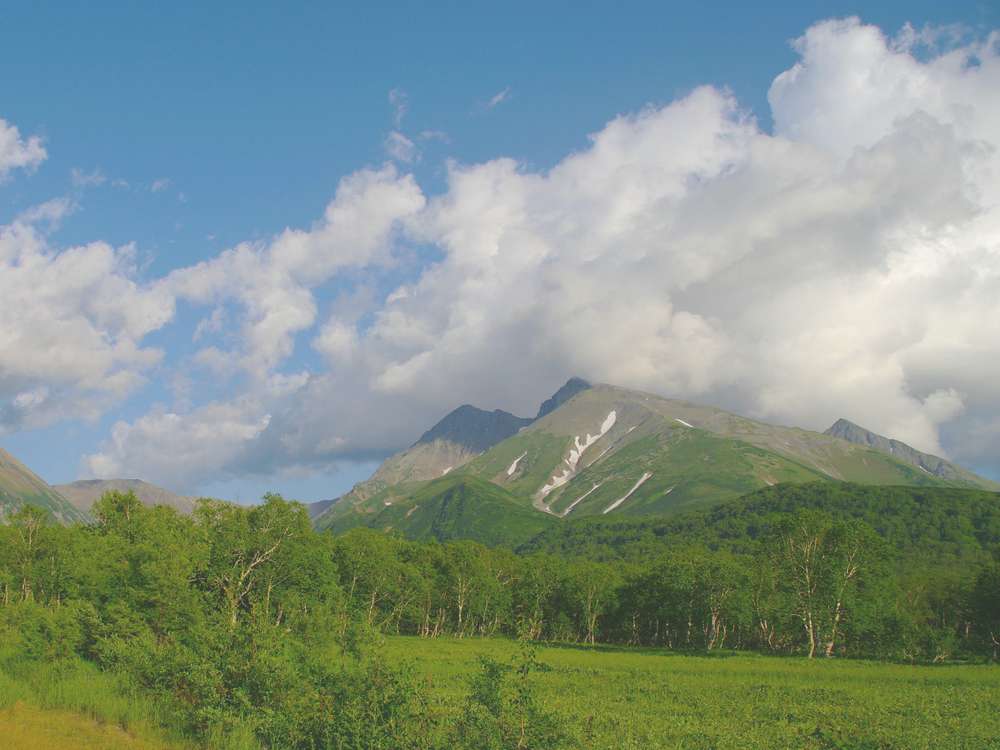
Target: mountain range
(591,450)
(595,450)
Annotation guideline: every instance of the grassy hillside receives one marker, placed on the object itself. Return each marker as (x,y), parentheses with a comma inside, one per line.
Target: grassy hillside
(450,508)
(932,523)
(692,454)
(603,450)
(20,486)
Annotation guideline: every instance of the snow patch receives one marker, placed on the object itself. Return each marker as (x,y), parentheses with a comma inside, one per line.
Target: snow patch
(558,480)
(686,424)
(579,500)
(387,503)
(619,501)
(447,470)
(513,466)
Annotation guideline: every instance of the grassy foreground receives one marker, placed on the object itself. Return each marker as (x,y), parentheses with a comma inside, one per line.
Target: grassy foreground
(634,698)
(25,727)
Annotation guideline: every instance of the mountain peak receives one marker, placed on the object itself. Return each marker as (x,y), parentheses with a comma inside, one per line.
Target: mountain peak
(847,430)
(569,389)
(474,429)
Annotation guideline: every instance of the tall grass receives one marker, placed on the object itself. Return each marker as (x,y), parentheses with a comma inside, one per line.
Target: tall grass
(81,688)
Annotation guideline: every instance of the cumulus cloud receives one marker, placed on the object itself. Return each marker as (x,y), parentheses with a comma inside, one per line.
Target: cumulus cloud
(203,442)
(16,152)
(845,264)
(272,282)
(74,320)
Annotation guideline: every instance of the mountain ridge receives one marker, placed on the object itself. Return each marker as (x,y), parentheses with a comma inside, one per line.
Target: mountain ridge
(83,493)
(600,449)
(19,486)
(940,467)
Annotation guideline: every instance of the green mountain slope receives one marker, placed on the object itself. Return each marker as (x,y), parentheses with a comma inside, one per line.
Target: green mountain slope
(611,450)
(922,523)
(452,507)
(20,486)
(597,450)
(459,437)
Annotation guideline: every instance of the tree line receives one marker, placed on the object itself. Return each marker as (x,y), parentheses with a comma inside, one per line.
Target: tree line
(814,584)
(242,627)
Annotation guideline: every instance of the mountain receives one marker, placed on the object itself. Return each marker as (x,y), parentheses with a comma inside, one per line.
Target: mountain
(474,429)
(459,437)
(939,467)
(613,450)
(85,492)
(572,387)
(20,486)
(600,449)
(315,510)
(453,507)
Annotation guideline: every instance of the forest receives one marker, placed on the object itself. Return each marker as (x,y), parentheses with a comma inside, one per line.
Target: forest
(226,619)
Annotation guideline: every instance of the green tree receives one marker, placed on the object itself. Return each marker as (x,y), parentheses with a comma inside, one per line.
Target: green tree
(820,564)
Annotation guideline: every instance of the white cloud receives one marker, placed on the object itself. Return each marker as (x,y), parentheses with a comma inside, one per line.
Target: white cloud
(159,185)
(847,264)
(203,442)
(435,135)
(51,212)
(399,100)
(16,152)
(74,320)
(82,179)
(498,98)
(401,148)
(273,281)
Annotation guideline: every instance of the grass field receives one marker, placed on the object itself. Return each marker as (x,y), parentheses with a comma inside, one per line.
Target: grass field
(633,698)
(25,727)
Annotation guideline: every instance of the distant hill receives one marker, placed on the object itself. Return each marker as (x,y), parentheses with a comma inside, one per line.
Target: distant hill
(20,486)
(315,510)
(85,492)
(939,467)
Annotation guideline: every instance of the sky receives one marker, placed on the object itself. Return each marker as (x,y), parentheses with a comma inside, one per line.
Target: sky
(250,248)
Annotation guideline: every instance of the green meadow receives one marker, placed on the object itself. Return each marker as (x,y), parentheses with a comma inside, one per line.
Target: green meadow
(624,698)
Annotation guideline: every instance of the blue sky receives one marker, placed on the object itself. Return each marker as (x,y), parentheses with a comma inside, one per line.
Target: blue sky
(182,131)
